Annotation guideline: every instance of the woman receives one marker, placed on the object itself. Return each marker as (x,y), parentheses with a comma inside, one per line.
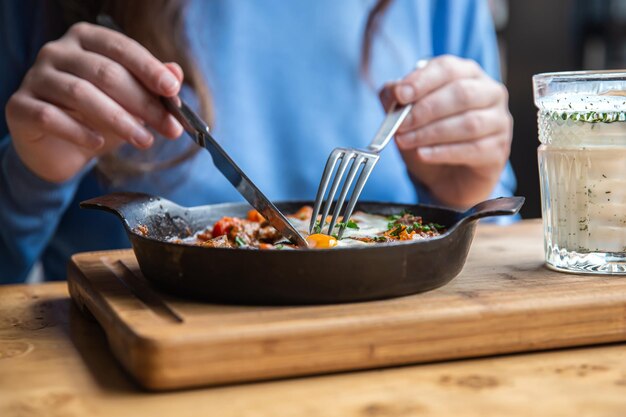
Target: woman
(286,82)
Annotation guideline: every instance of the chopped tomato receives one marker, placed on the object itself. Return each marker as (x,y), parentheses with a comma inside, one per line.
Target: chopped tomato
(329,218)
(223,226)
(304,213)
(266,246)
(255,216)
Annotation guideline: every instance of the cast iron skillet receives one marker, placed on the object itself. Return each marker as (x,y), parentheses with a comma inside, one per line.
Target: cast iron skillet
(304,276)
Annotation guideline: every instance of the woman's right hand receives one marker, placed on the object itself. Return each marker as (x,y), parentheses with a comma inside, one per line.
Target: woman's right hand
(86,94)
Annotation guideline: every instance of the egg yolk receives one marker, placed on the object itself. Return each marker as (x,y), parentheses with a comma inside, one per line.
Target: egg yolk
(321,241)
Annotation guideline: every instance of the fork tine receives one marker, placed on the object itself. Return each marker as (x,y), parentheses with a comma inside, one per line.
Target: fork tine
(367,170)
(347,158)
(359,159)
(319,198)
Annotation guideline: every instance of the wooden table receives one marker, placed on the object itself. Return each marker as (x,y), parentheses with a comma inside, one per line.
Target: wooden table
(55,362)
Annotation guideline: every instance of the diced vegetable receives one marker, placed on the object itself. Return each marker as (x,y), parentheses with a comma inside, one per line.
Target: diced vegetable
(255,216)
(223,226)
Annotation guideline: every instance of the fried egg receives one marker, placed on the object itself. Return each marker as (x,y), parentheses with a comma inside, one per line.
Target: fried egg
(369,226)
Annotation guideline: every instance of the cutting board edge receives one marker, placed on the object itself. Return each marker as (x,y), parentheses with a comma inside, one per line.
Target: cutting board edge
(156,378)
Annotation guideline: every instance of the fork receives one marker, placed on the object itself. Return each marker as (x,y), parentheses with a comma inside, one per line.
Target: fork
(367,158)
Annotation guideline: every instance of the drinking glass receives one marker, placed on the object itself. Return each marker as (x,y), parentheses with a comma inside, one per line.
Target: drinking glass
(582,169)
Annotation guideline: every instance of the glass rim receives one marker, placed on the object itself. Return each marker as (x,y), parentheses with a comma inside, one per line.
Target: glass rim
(587,75)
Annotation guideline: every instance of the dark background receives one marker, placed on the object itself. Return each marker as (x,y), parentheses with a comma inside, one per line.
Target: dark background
(550,35)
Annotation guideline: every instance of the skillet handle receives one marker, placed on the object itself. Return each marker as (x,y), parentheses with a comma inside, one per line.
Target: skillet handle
(502,206)
(123,205)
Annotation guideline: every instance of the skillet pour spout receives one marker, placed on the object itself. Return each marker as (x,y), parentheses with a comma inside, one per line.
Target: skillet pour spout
(288,277)
(161,218)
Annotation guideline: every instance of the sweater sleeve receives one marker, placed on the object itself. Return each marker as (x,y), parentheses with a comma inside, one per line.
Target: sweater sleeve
(30,209)
(470,34)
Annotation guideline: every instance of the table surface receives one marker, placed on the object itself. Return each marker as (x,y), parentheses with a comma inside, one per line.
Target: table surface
(56,362)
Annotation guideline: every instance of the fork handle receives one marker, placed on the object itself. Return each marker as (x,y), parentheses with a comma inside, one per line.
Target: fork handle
(393,120)
(390,126)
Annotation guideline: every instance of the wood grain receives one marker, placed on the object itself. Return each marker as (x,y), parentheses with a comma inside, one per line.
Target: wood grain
(504,301)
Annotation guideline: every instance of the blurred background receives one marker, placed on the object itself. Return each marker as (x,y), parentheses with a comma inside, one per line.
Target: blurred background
(551,35)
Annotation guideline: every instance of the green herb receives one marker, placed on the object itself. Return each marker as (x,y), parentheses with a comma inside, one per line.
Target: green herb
(588,117)
(352,224)
(279,246)
(240,242)
(415,227)
(399,216)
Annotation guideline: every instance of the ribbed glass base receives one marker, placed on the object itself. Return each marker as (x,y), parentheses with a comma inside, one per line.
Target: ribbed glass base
(612,263)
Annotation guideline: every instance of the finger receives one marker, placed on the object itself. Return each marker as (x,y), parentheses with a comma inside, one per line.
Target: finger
(99,110)
(454,98)
(438,72)
(487,151)
(121,86)
(36,116)
(176,70)
(142,64)
(470,125)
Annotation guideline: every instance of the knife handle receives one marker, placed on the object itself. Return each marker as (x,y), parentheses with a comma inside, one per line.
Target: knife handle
(190,121)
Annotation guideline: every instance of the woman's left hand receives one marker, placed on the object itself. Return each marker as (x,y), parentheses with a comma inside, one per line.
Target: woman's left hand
(457,138)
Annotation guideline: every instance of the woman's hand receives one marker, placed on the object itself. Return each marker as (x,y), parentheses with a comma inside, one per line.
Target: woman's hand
(457,138)
(87,93)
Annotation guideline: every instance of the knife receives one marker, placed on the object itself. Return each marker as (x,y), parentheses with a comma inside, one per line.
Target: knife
(199,131)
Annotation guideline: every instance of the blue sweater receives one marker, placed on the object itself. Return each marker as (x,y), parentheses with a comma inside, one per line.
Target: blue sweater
(285,84)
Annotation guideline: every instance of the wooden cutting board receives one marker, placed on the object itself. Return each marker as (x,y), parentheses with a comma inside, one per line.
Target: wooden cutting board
(504,300)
